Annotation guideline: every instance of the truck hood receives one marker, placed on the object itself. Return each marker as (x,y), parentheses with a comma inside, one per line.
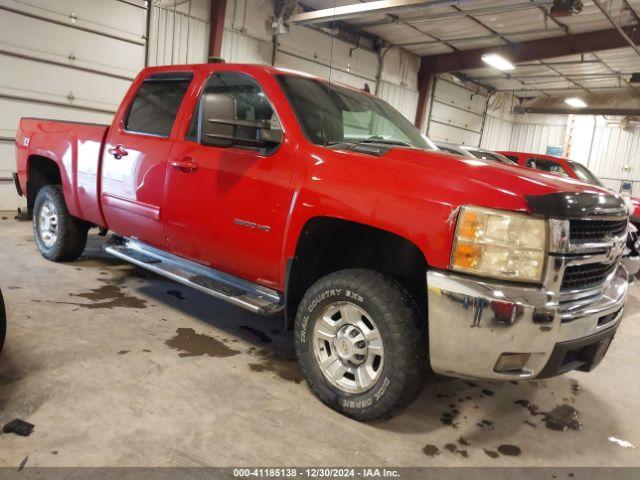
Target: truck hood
(543,193)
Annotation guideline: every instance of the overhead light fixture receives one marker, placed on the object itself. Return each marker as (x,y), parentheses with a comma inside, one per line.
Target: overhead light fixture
(498,61)
(575,102)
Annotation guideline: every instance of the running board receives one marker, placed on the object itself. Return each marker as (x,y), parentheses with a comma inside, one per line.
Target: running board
(239,292)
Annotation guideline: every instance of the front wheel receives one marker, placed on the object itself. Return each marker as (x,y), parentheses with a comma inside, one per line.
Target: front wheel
(60,236)
(361,343)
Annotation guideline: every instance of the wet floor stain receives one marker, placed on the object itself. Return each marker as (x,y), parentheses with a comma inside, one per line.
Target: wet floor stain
(260,335)
(491,453)
(192,344)
(176,294)
(431,450)
(463,441)
(561,418)
(487,392)
(285,368)
(509,450)
(575,387)
(448,418)
(485,424)
(107,296)
(453,448)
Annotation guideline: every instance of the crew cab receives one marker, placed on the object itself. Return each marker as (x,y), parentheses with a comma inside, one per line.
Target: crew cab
(284,194)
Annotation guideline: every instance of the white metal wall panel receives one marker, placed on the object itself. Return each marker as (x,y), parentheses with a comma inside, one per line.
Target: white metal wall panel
(535,137)
(180,34)
(497,133)
(456,114)
(51,42)
(121,20)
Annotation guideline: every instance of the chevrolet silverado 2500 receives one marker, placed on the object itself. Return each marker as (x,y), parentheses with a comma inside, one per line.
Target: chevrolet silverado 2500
(282,193)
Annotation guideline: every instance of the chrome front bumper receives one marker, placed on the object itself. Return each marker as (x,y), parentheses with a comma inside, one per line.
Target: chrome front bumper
(473,321)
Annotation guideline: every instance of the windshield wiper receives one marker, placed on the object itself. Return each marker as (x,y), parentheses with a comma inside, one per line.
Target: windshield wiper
(383,141)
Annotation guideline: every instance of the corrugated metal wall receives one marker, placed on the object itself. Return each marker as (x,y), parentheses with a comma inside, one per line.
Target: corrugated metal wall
(178,32)
(611,152)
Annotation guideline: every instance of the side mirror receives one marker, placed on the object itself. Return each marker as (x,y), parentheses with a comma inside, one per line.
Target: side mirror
(220,127)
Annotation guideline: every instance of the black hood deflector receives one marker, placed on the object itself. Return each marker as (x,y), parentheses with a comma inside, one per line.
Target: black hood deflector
(577,204)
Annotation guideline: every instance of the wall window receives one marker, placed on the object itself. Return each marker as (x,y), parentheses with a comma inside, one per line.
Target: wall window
(156,104)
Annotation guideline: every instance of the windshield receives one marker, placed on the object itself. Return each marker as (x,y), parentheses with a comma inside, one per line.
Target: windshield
(491,156)
(330,114)
(585,175)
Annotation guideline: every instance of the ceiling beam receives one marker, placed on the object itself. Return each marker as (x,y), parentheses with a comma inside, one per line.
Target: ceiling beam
(576,43)
(347,12)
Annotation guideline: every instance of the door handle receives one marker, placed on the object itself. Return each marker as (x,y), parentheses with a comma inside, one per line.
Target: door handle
(118,152)
(186,165)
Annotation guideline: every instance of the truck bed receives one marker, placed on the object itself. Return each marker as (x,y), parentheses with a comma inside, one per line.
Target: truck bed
(77,148)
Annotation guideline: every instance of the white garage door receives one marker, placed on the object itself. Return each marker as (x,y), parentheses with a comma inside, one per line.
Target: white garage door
(457,114)
(70,60)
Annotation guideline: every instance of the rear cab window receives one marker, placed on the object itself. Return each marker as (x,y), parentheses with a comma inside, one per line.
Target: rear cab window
(155,106)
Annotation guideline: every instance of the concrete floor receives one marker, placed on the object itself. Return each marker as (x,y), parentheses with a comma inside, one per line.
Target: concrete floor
(118,367)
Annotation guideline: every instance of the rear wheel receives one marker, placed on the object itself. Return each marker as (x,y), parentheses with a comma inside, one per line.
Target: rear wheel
(361,343)
(60,236)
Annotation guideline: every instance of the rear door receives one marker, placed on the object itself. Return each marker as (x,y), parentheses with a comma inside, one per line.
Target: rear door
(135,157)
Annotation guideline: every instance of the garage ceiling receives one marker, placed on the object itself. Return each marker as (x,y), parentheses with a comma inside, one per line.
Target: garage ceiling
(430,30)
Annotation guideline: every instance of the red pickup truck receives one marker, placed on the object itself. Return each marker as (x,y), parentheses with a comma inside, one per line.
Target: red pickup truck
(567,168)
(284,194)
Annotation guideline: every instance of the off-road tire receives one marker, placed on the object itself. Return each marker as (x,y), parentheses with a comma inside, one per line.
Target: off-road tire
(403,333)
(71,232)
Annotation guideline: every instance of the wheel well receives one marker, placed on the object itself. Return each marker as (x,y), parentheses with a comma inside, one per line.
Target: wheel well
(329,244)
(42,172)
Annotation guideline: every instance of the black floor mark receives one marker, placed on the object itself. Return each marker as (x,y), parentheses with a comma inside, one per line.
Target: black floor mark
(510,450)
(260,335)
(123,352)
(575,386)
(485,424)
(19,427)
(23,463)
(177,294)
(488,392)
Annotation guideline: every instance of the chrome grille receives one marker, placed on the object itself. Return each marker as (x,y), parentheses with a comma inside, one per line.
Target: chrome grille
(596,230)
(581,277)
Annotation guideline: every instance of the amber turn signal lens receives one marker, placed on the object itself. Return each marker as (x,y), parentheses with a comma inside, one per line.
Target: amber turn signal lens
(469,224)
(466,255)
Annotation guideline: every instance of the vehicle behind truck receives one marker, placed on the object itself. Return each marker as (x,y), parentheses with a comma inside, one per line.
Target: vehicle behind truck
(287,195)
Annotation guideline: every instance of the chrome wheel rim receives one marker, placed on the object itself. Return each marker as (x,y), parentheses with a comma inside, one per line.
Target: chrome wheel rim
(48,224)
(348,347)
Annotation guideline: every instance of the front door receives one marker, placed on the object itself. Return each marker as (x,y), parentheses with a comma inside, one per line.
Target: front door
(135,156)
(227,207)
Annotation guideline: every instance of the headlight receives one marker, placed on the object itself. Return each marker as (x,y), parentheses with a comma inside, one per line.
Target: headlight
(500,244)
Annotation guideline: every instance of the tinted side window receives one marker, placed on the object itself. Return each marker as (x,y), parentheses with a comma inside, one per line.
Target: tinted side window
(513,158)
(252,103)
(156,104)
(546,166)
